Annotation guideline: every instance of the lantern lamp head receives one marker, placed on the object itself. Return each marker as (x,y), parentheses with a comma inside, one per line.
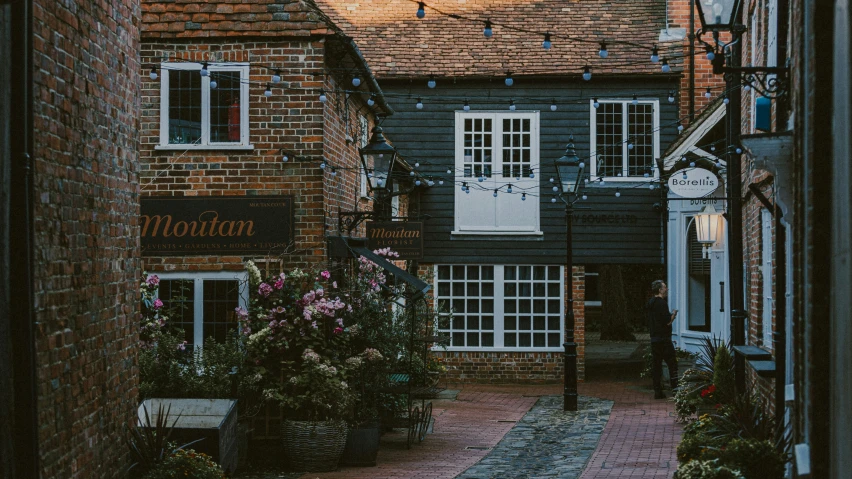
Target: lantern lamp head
(378,158)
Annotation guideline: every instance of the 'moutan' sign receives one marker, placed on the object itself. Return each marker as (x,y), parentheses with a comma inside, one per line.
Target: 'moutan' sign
(245,225)
(404,237)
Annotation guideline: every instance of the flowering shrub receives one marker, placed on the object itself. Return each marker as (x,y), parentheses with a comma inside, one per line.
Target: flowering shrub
(153,317)
(706,470)
(185,463)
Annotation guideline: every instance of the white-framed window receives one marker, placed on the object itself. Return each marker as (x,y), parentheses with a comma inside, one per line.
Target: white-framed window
(496,150)
(625,139)
(202,304)
(204,112)
(363,139)
(766,273)
(501,307)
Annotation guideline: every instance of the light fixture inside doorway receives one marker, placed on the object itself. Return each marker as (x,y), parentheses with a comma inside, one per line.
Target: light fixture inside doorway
(707,228)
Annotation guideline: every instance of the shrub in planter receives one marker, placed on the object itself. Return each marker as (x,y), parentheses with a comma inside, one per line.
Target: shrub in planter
(723,375)
(186,463)
(698,446)
(757,459)
(706,470)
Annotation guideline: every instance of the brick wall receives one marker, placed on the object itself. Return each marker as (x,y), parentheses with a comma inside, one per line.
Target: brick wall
(520,367)
(678,15)
(87,269)
(292,119)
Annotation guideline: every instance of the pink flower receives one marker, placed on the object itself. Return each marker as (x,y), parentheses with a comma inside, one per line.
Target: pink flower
(158,303)
(241,312)
(279,284)
(153,280)
(325,274)
(181,346)
(334,284)
(264,290)
(338,330)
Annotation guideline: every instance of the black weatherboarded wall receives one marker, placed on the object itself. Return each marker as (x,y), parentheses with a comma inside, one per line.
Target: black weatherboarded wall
(607,229)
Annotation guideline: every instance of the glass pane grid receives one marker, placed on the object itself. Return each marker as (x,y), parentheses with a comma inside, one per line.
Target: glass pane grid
(184,107)
(517,147)
(225,118)
(178,297)
(609,139)
(640,126)
(532,306)
(468,291)
(478,137)
(221,297)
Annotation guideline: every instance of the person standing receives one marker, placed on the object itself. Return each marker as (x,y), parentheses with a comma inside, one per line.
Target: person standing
(660,321)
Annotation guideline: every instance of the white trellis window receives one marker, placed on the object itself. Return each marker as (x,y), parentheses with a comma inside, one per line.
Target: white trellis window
(203,304)
(497,307)
(625,139)
(204,112)
(497,152)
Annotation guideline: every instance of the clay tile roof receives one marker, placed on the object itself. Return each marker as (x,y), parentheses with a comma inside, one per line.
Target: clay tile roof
(398,44)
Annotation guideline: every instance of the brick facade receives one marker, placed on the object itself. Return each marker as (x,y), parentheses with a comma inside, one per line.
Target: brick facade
(87,268)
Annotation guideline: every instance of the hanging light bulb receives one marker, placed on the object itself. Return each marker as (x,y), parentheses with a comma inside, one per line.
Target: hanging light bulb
(617,193)
(726,100)
(595,103)
(523,197)
(651,186)
(372,100)
(411,173)
(421,9)
(552,180)
(322,96)
(380,182)
(285,158)
(441,182)
(665,67)
(646,174)
(711,55)
(511,105)
(416,164)
(509,81)
(603,51)
(466,106)
(685,177)
(587,73)
(746,87)
(431,83)
(417,182)
(430,183)
(708,93)
(333,171)
(629,144)
(679,128)
(276,77)
(509,189)
(449,171)
(718,164)
(419,104)
(692,164)
(268,92)
(204,72)
(487,30)
(739,150)
(153,73)
(546,44)
(655,55)
(635,101)
(553,105)
(671,96)
(213,83)
(553,200)
(322,165)
(495,193)
(532,174)
(585,196)
(464,186)
(481,178)
(356,81)
(712,147)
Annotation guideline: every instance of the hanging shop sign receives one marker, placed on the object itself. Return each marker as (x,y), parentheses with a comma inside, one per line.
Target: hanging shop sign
(245,225)
(404,237)
(693,182)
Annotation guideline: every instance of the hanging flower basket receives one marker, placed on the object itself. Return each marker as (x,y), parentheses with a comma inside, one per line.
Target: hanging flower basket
(313,446)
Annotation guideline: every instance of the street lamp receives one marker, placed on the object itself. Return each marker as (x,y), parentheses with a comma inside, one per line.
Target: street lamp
(707,228)
(569,170)
(378,159)
(718,15)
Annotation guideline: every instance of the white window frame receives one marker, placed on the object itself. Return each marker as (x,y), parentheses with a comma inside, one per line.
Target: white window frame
(198,294)
(766,273)
(205,143)
(593,132)
(499,310)
(497,180)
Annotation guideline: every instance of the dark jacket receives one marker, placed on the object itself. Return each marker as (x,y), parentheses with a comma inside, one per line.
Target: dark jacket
(659,317)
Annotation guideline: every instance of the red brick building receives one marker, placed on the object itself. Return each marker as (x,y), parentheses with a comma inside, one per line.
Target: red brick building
(70,254)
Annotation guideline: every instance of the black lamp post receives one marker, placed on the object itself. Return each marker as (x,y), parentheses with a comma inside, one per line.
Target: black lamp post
(569,171)
(378,159)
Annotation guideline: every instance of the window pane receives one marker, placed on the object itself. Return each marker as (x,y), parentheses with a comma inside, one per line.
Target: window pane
(509,340)
(640,126)
(219,308)
(178,296)
(539,340)
(609,139)
(225,117)
(524,340)
(487,340)
(473,339)
(184,107)
(443,272)
(488,273)
(458,339)
(553,340)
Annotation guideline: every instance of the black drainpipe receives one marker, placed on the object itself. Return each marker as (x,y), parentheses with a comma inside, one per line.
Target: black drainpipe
(21,243)
(691,61)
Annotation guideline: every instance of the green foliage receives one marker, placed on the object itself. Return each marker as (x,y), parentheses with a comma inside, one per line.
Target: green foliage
(149,442)
(757,459)
(680,354)
(695,382)
(723,375)
(183,464)
(706,470)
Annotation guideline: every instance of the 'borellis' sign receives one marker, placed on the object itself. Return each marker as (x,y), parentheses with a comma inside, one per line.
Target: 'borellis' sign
(404,237)
(244,225)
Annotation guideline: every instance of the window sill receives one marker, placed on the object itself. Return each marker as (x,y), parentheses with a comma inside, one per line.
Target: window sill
(621,179)
(497,233)
(498,350)
(203,147)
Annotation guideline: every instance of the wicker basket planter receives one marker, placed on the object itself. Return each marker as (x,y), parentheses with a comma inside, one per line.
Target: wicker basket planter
(313,446)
